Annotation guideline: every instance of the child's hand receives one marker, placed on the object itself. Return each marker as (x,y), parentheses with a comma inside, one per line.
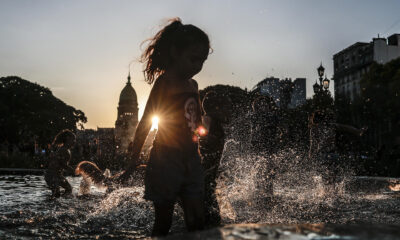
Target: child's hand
(363,131)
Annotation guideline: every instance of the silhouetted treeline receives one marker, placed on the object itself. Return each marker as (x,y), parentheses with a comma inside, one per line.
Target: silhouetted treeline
(241,99)
(30,117)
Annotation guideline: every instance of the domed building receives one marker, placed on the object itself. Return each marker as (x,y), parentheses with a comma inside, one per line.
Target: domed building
(127,118)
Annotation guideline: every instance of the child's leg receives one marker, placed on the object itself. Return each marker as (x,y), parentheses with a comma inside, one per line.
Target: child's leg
(194,213)
(55,192)
(163,218)
(65,184)
(52,182)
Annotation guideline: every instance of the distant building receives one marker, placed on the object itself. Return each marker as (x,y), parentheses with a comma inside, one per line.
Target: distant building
(108,141)
(277,89)
(127,118)
(299,93)
(353,62)
(269,87)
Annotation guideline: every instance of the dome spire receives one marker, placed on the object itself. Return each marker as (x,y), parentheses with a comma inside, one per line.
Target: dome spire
(128,94)
(129,74)
(129,77)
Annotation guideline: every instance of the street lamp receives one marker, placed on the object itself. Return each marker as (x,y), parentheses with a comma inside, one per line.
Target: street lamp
(323,83)
(326,83)
(316,87)
(321,71)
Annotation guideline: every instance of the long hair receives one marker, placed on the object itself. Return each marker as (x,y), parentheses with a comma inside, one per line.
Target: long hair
(157,55)
(62,136)
(90,170)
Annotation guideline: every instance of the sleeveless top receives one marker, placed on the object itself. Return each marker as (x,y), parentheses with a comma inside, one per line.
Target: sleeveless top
(180,116)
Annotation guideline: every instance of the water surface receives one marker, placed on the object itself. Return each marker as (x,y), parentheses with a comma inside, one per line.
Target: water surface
(27,212)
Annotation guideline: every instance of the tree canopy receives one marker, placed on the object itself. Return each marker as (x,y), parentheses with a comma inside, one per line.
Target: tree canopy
(379,104)
(241,99)
(380,90)
(30,112)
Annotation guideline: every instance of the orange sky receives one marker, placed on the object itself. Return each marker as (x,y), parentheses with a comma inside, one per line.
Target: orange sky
(81,50)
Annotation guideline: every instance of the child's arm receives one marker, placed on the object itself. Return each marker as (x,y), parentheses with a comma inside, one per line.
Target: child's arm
(349,129)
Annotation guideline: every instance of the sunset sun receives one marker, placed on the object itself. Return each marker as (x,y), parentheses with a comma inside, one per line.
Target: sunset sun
(155,120)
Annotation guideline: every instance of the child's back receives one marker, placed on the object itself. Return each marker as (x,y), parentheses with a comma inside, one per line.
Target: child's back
(180,113)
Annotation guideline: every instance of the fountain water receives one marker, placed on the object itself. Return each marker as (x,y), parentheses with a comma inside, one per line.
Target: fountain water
(298,205)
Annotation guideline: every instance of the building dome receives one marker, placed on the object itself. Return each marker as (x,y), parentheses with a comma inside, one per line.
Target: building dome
(128,94)
(127,118)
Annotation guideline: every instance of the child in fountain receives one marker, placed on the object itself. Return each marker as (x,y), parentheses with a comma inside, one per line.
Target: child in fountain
(218,109)
(92,175)
(174,55)
(58,162)
(264,139)
(322,150)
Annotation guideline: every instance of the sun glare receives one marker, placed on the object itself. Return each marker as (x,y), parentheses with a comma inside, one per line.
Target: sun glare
(155,121)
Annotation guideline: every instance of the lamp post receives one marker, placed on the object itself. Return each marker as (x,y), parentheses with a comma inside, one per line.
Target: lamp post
(321,71)
(323,83)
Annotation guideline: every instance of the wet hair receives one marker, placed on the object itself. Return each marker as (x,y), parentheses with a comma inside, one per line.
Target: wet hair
(157,55)
(263,101)
(91,171)
(62,136)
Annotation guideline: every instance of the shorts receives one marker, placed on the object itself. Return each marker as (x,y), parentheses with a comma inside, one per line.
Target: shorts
(173,173)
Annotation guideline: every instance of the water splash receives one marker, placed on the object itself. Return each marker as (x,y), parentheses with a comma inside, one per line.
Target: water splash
(253,187)
(280,186)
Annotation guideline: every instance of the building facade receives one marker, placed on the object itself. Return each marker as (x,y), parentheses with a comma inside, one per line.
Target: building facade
(299,93)
(353,62)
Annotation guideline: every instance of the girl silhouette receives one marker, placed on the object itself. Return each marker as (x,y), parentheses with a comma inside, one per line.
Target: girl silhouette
(174,55)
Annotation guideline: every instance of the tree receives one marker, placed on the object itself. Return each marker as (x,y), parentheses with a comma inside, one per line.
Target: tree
(378,108)
(379,104)
(241,100)
(30,112)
